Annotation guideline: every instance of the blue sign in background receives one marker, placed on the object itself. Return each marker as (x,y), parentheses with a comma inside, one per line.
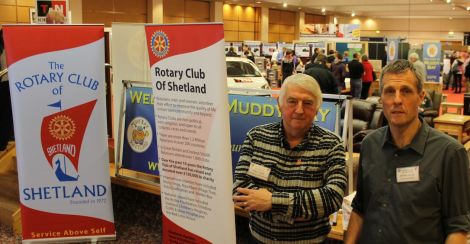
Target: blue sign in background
(247,112)
(139,103)
(432,60)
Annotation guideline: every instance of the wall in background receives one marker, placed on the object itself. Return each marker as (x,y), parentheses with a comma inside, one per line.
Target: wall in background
(108,11)
(241,22)
(185,11)
(281,25)
(15,11)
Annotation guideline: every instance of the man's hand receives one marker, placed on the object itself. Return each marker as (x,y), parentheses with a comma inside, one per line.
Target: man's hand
(253,200)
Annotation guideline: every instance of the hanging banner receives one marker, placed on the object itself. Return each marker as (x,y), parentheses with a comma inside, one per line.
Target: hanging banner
(58,102)
(392,50)
(247,112)
(331,32)
(140,144)
(432,60)
(188,77)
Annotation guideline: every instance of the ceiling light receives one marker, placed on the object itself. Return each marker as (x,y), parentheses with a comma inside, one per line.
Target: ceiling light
(430,0)
(353,14)
(451,32)
(284,5)
(300,8)
(377,31)
(468,8)
(258,2)
(323,10)
(448,1)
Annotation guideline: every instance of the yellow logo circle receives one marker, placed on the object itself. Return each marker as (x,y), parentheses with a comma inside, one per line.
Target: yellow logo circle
(62,127)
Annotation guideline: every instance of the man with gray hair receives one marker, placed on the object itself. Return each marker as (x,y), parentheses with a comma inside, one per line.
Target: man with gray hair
(412,184)
(419,66)
(291,174)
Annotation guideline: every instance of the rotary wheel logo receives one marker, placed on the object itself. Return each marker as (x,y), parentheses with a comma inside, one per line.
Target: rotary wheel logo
(62,127)
(160,44)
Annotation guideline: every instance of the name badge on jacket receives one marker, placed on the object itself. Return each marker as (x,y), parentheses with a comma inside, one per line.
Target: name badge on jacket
(408,174)
(259,171)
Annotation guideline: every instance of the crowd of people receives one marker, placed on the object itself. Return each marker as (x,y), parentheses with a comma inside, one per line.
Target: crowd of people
(291,174)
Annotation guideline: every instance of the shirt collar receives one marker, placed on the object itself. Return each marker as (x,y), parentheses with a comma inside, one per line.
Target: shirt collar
(285,143)
(417,144)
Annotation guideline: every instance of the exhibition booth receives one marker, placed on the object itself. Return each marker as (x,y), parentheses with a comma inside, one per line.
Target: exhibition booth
(158,118)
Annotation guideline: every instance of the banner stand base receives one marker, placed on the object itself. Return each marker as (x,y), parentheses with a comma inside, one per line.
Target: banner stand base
(92,239)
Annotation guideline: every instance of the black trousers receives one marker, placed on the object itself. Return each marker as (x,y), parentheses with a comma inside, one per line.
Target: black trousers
(458,83)
(6,118)
(365,90)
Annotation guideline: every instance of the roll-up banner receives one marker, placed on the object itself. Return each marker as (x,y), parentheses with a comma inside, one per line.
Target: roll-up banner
(392,50)
(189,82)
(432,60)
(140,145)
(57,87)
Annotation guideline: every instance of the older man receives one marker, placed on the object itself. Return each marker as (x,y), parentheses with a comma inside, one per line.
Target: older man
(413,183)
(418,65)
(291,174)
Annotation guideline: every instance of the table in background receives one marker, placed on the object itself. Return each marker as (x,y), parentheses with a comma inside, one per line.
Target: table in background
(453,124)
(447,105)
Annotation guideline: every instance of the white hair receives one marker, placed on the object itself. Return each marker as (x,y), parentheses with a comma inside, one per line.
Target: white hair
(304,81)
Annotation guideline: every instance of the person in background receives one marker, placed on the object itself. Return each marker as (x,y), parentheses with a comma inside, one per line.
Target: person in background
(346,57)
(419,66)
(356,70)
(339,71)
(467,72)
(250,55)
(55,17)
(457,71)
(320,72)
(287,65)
(304,170)
(451,78)
(298,64)
(231,53)
(281,54)
(412,184)
(367,76)
(316,51)
(6,117)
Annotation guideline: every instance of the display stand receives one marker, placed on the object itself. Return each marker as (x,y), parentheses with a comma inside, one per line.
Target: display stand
(127,174)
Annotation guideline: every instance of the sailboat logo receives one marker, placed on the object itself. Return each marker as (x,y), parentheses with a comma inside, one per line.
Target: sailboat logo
(62,136)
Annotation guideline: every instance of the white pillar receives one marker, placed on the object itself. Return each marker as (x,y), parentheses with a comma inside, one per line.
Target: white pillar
(155,15)
(300,20)
(217,12)
(264,28)
(76,7)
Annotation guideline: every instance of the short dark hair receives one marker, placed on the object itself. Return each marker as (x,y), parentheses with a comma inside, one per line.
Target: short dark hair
(401,66)
(321,59)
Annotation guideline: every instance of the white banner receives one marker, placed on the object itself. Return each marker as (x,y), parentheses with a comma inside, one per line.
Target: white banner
(57,86)
(189,82)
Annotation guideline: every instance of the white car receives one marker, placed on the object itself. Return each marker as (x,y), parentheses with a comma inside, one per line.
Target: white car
(243,73)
